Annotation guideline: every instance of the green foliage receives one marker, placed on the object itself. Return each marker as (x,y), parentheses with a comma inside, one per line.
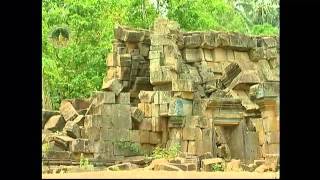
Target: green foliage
(172,152)
(76,70)
(217,167)
(85,164)
(46,148)
(264,29)
(131,146)
(205,15)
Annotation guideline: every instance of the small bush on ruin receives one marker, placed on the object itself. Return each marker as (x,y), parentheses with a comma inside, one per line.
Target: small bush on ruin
(217,167)
(172,152)
(85,164)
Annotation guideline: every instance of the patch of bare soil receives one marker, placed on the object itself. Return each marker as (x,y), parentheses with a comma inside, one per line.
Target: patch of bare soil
(148,174)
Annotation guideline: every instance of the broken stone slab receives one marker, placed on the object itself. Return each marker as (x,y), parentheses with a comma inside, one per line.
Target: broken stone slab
(185,166)
(46,115)
(58,155)
(61,141)
(166,167)
(72,129)
(68,111)
(146,124)
(123,166)
(126,34)
(104,97)
(113,85)
(55,123)
(79,120)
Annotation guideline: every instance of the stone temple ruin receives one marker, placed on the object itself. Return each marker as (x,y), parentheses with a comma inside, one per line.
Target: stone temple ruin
(214,93)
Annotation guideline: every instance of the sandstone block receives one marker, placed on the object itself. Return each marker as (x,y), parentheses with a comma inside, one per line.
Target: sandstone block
(192,41)
(55,123)
(146,96)
(68,112)
(123,98)
(72,129)
(188,133)
(219,55)
(146,124)
(155,138)
(193,55)
(144,136)
(113,85)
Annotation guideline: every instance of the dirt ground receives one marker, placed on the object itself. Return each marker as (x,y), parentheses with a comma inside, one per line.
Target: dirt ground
(147,174)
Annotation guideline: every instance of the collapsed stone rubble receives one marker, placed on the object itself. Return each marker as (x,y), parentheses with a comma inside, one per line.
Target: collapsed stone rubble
(211,92)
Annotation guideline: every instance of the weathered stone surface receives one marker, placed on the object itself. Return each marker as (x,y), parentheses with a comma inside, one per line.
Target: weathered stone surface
(188,133)
(192,41)
(219,55)
(272,161)
(134,136)
(166,167)
(155,138)
(262,168)
(144,136)
(233,165)
(191,147)
(113,85)
(55,123)
(123,98)
(67,111)
(72,129)
(185,166)
(180,107)
(80,146)
(146,124)
(146,96)
(79,120)
(46,115)
(121,116)
(193,55)
(123,166)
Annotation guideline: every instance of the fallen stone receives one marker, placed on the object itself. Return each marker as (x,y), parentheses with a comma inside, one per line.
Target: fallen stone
(113,85)
(79,120)
(166,167)
(72,129)
(55,123)
(185,166)
(46,115)
(123,166)
(68,111)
